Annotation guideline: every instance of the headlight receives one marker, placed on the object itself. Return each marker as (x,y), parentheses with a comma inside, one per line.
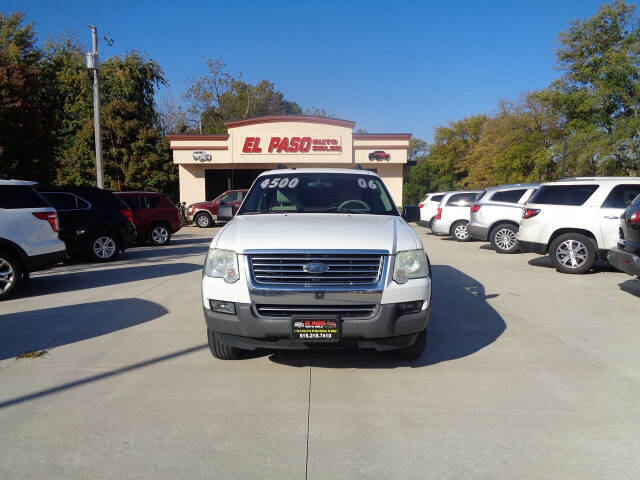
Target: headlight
(222,264)
(409,264)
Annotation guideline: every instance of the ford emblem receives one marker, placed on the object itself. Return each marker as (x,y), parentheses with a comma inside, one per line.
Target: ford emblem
(315,267)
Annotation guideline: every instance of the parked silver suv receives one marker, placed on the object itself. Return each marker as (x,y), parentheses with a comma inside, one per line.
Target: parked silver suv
(495,217)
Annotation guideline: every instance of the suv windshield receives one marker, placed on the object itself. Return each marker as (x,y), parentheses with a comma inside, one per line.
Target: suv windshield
(318,193)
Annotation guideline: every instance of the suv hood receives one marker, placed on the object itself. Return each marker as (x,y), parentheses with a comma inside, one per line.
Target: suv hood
(317,231)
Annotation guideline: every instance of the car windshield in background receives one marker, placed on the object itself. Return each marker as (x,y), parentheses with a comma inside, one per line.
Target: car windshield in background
(463,199)
(318,193)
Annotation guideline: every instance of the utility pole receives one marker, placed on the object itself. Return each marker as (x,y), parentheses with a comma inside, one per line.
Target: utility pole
(93,63)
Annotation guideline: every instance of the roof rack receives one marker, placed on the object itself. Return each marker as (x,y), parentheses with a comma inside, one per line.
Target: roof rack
(358,167)
(281,166)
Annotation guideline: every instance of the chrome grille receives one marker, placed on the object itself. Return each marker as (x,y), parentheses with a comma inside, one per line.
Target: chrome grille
(343,268)
(341,310)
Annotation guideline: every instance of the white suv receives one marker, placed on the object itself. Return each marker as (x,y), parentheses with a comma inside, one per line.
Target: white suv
(496,215)
(28,234)
(429,207)
(452,214)
(317,256)
(576,221)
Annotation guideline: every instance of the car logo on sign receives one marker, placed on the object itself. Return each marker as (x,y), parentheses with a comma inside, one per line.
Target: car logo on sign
(315,267)
(201,156)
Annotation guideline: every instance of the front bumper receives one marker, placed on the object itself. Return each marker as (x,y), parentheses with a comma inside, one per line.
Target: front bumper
(533,247)
(385,330)
(478,232)
(625,261)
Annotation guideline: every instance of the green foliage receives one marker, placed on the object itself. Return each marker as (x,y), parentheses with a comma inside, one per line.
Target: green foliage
(26,119)
(217,97)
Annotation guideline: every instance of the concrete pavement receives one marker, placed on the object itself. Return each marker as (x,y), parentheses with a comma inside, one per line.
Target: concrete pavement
(527,374)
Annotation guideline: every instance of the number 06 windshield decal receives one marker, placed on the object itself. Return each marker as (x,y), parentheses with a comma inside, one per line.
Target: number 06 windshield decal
(279,182)
(362,183)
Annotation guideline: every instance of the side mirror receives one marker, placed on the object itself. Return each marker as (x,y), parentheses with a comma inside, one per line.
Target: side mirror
(411,213)
(225,213)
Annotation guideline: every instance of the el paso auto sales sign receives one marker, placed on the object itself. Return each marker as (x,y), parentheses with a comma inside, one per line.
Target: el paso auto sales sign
(291,145)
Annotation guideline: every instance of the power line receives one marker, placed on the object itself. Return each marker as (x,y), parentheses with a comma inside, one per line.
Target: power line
(68,13)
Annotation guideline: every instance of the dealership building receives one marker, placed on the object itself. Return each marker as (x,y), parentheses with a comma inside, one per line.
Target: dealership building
(210,164)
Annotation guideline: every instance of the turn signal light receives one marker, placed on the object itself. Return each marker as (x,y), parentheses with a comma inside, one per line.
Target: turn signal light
(51,217)
(438,214)
(475,208)
(127,214)
(634,218)
(530,212)
(421,205)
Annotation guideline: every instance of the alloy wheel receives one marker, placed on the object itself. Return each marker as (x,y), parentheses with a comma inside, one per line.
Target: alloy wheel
(505,239)
(160,235)
(572,254)
(104,247)
(461,231)
(203,221)
(7,276)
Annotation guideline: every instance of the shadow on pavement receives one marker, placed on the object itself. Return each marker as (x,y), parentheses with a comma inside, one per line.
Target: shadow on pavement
(542,261)
(48,328)
(545,262)
(191,241)
(83,279)
(462,323)
(631,286)
(100,376)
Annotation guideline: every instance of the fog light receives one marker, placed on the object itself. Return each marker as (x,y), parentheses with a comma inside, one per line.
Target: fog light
(409,307)
(222,306)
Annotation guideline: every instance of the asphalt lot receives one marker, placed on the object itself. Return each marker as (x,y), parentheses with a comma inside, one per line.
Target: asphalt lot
(527,374)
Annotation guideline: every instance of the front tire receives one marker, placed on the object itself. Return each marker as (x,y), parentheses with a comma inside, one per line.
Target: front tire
(415,350)
(11,273)
(204,220)
(503,238)
(219,350)
(159,235)
(459,231)
(104,247)
(573,253)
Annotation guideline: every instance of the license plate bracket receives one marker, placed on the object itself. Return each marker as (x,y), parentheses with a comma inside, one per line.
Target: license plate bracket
(315,329)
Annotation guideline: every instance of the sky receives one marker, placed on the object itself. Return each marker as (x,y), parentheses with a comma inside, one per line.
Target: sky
(391,67)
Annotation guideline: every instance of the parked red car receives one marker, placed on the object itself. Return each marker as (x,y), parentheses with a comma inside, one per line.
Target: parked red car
(154,216)
(204,214)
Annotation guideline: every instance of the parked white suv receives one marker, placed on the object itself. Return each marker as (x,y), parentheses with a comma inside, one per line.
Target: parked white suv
(496,215)
(28,234)
(317,256)
(576,221)
(429,207)
(452,214)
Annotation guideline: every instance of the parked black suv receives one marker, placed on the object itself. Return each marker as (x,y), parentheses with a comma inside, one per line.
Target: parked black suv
(626,256)
(92,221)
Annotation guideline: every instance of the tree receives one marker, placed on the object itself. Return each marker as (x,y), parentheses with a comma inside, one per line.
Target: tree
(599,90)
(136,154)
(446,165)
(26,119)
(218,97)
(516,145)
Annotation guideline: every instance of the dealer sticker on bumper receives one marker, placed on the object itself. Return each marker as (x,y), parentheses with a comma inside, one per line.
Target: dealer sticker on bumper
(315,330)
